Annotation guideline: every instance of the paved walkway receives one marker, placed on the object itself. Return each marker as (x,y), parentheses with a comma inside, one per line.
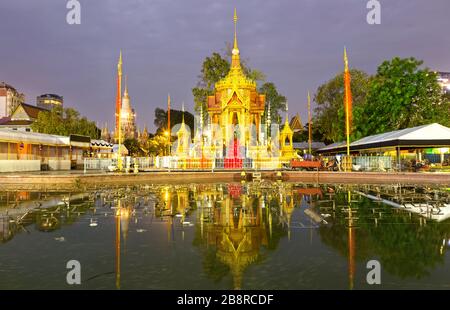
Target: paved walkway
(78,180)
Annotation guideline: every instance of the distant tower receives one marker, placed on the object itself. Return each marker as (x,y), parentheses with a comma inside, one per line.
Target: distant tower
(118,96)
(105,133)
(49,101)
(127,116)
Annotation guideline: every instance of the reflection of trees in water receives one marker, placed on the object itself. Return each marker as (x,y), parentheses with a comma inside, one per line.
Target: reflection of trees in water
(44,219)
(404,248)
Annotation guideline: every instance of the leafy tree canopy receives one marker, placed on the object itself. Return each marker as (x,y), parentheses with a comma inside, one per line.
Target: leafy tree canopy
(403,95)
(65,122)
(329,117)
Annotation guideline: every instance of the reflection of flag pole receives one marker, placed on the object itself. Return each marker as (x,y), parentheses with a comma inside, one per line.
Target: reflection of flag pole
(168,120)
(118,245)
(309,123)
(347,101)
(351,244)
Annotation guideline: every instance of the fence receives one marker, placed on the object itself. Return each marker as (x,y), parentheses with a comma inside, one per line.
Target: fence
(97,163)
(436,158)
(372,163)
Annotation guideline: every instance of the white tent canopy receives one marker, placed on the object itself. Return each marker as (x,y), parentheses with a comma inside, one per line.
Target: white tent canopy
(15,136)
(431,135)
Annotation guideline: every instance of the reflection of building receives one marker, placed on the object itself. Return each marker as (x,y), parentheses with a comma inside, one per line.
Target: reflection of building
(237,221)
(10,98)
(49,101)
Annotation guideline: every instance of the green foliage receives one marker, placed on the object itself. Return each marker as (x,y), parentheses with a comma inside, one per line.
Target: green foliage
(402,95)
(275,99)
(133,147)
(329,118)
(176,117)
(158,145)
(65,122)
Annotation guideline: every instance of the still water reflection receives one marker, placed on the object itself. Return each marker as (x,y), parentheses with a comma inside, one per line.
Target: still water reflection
(227,236)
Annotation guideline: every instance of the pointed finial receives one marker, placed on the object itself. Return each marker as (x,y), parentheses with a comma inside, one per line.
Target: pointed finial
(126,86)
(345,58)
(119,64)
(235,51)
(235,19)
(287,111)
(182,110)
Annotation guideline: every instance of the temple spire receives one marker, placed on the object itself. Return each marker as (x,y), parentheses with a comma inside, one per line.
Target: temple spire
(235,18)
(235,61)
(287,112)
(125,93)
(182,110)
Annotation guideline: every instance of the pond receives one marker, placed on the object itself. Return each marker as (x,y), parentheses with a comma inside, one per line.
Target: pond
(258,235)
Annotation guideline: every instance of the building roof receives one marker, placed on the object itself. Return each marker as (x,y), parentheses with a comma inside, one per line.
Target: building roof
(31,110)
(304,145)
(4,85)
(51,96)
(296,123)
(18,122)
(431,135)
(101,143)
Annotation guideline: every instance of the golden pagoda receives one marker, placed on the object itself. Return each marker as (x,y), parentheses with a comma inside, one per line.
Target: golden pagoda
(236,100)
(286,143)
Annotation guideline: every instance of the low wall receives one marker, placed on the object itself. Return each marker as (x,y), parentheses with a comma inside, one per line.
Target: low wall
(77,181)
(55,164)
(19,165)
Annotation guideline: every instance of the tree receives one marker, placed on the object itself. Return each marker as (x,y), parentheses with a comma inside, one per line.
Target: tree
(158,145)
(329,118)
(402,95)
(275,99)
(65,122)
(176,117)
(133,147)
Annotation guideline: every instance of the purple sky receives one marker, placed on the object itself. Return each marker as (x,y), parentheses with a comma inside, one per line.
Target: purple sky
(297,43)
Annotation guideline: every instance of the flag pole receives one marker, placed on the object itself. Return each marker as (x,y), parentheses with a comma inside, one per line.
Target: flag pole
(348,100)
(309,124)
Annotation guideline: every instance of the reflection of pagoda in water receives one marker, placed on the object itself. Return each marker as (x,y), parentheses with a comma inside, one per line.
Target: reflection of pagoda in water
(237,226)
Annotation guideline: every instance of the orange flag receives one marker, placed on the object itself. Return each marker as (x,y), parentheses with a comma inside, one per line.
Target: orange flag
(347,95)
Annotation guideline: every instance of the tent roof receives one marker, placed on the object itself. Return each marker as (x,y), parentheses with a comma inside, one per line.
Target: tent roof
(426,135)
(16,136)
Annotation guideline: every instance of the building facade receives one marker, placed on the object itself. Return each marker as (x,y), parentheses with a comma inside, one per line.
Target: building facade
(10,98)
(23,116)
(49,101)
